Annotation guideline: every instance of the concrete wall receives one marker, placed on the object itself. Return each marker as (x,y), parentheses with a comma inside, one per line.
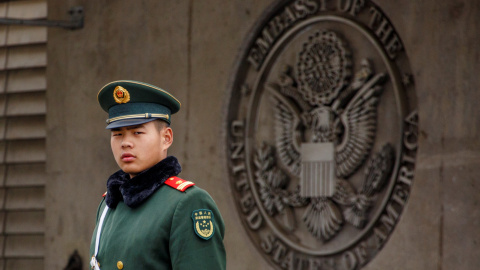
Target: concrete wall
(189,48)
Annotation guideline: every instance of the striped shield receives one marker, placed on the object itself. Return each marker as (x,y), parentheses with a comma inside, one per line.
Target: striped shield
(317,175)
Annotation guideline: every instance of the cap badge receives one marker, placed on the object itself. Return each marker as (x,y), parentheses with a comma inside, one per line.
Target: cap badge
(121,95)
(203,223)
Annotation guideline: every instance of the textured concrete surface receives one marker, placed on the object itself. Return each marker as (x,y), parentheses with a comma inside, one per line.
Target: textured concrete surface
(439,228)
(189,48)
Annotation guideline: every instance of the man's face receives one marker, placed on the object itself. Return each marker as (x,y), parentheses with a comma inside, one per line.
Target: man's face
(137,148)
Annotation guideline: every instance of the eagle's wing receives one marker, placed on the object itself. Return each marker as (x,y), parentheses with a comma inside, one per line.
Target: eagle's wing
(286,115)
(359,121)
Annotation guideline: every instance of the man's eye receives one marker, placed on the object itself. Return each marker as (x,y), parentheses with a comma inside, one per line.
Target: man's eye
(116,134)
(138,132)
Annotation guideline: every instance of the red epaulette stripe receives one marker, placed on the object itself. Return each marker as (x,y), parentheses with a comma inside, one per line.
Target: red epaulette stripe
(178,183)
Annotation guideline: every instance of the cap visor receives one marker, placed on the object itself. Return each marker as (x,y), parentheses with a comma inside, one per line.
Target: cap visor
(129,122)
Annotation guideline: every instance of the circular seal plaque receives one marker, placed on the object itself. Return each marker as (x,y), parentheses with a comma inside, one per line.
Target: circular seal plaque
(321,133)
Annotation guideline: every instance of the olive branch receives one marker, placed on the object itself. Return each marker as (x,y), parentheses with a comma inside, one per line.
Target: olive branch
(273,183)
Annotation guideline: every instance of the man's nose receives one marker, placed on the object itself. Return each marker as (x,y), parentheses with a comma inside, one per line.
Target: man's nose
(126,142)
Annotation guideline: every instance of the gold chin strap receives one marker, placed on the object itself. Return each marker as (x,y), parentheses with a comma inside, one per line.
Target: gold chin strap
(142,115)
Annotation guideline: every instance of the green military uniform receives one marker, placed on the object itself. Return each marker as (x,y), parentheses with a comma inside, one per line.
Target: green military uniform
(154,220)
(159,232)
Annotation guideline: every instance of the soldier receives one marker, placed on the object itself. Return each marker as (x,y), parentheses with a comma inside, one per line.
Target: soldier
(150,218)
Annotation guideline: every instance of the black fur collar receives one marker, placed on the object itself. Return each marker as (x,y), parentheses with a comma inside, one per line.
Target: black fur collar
(134,191)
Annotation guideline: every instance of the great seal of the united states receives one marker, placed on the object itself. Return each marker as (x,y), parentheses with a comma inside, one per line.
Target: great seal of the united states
(321,133)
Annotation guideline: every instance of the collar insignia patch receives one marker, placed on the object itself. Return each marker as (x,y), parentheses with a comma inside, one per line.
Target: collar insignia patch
(121,95)
(203,223)
(178,183)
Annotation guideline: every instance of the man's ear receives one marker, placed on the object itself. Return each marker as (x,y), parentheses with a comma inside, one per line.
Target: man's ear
(168,136)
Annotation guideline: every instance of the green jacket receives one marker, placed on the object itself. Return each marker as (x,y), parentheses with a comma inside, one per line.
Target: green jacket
(160,233)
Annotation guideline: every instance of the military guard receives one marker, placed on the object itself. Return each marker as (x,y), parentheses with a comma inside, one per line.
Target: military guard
(149,218)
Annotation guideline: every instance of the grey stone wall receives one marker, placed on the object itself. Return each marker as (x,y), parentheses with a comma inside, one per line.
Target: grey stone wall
(190,48)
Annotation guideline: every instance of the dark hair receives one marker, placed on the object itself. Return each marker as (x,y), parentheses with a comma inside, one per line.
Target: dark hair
(161,124)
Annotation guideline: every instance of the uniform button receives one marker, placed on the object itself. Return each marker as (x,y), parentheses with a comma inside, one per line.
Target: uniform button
(120,265)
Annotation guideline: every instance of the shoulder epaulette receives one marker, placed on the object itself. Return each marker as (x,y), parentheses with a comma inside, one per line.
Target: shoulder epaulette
(178,183)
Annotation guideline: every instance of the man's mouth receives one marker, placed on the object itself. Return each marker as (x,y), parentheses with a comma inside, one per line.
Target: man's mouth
(127,157)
